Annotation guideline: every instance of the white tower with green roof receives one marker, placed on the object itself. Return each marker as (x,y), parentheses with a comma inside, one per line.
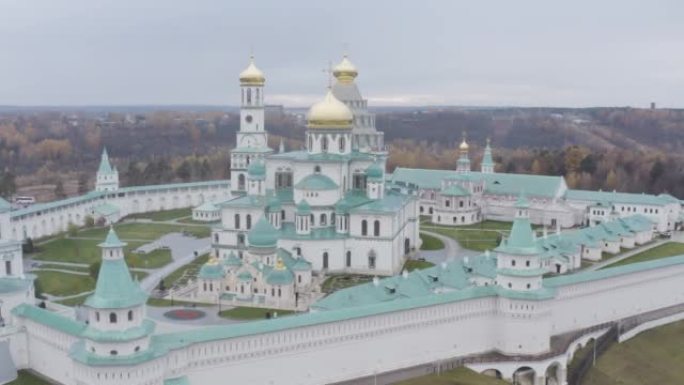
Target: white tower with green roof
(487,166)
(519,264)
(252,138)
(116,310)
(463,163)
(107,178)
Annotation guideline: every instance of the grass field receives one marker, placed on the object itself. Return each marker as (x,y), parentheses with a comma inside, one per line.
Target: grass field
(479,240)
(161,302)
(430,242)
(58,283)
(668,249)
(180,276)
(152,260)
(652,357)
(82,269)
(413,264)
(251,313)
(27,378)
(144,231)
(341,281)
(460,376)
(165,215)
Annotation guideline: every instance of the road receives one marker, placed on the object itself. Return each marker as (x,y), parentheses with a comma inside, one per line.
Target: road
(183,250)
(452,250)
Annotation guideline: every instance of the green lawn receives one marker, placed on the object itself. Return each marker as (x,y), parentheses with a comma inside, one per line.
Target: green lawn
(145,231)
(430,242)
(151,260)
(251,313)
(192,221)
(57,283)
(413,264)
(460,376)
(341,281)
(83,269)
(182,274)
(28,378)
(668,249)
(165,215)
(652,357)
(479,240)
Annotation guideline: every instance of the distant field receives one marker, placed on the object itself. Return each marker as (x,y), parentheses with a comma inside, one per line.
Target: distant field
(665,250)
(62,284)
(652,357)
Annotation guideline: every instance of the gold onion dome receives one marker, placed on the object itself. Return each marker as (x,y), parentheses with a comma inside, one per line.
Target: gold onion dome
(329,113)
(345,72)
(252,75)
(463,145)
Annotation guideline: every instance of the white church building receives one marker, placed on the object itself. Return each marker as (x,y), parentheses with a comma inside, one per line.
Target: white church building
(333,207)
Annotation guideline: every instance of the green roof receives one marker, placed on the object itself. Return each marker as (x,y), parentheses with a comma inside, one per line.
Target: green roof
(618,197)
(112,240)
(487,157)
(390,203)
(522,202)
(279,277)
(207,206)
(263,234)
(303,208)
(455,190)
(521,239)
(245,276)
(374,171)
(257,169)
(107,209)
(232,260)
(211,271)
(53,320)
(274,204)
(105,166)
(15,284)
(177,381)
(316,182)
(4,205)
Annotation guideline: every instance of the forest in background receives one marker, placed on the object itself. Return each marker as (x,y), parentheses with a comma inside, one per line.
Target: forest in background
(54,153)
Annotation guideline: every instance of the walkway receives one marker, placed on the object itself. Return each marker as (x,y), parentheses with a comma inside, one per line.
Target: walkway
(183,250)
(452,250)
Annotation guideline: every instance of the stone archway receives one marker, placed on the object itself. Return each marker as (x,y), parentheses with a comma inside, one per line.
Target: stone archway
(555,374)
(495,373)
(524,376)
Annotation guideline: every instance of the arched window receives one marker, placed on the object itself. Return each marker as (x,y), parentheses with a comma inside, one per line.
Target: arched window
(216,238)
(348,261)
(257,96)
(310,143)
(364,227)
(97,316)
(113,352)
(317,168)
(324,220)
(325,260)
(324,143)
(112,318)
(249,96)
(311,219)
(249,221)
(237,221)
(241,239)
(342,143)
(332,218)
(241,182)
(376,228)
(130,315)
(371,259)
(282,214)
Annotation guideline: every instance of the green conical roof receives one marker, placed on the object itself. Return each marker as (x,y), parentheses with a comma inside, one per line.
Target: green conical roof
(303,208)
(115,289)
(521,240)
(105,166)
(522,202)
(263,234)
(487,157)
(112,240)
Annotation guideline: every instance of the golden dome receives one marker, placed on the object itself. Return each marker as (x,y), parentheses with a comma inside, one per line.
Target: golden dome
(345,72)
(330,113)
(464,145)
(252,75)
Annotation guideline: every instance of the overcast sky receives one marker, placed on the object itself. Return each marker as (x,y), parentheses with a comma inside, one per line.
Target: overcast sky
(524,53)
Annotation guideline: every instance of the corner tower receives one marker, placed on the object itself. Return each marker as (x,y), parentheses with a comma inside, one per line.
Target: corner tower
(252,139)
(107,178)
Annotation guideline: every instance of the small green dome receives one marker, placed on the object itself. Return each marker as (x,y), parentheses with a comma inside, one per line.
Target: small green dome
(374,171)
(342,207)
(263,234)
(273,205)
(257,169)
(211,270)
(303,208)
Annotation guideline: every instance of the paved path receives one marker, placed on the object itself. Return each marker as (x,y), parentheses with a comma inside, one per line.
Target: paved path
(452,250)
(74,272)
(183,249)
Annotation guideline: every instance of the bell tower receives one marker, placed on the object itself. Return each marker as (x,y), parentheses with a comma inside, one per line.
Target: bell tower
(252,139)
